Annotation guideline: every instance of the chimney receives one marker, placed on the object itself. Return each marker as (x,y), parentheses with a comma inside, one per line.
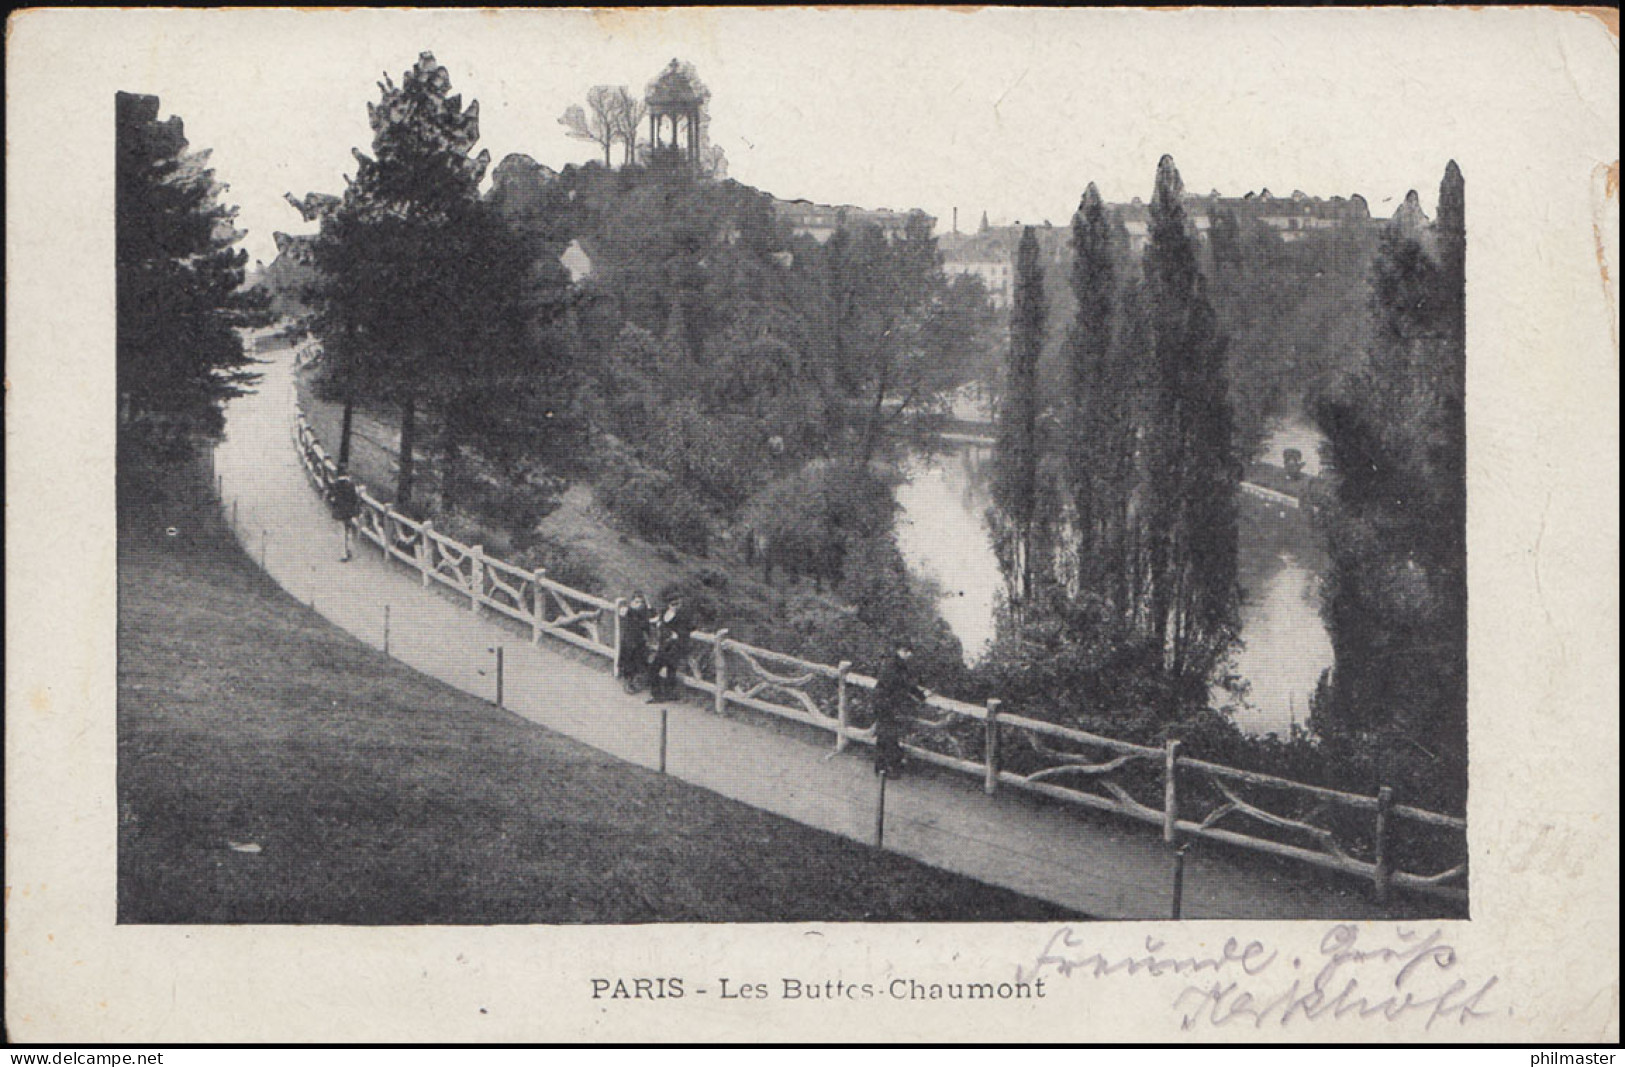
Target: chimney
(956,219)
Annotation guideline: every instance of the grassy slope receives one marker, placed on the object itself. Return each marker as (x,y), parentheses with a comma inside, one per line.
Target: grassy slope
(379,796)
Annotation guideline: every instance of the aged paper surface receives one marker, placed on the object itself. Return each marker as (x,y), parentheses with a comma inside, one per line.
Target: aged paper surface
(1525,100)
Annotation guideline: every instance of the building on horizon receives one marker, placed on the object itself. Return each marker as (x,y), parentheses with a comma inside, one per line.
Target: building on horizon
(820,221)
(990,252)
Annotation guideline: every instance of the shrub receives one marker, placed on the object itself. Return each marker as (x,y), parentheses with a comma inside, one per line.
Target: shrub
(517,507)
(722,458)
(651,504)
(812,520)
(565,563)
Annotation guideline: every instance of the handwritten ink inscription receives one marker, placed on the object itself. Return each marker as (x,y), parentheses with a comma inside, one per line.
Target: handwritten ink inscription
(1408,976)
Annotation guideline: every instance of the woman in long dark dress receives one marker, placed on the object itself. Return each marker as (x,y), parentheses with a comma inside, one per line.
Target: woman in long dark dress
(636,621)
(895,696)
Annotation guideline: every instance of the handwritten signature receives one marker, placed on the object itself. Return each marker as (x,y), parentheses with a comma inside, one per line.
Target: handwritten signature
(1415,975)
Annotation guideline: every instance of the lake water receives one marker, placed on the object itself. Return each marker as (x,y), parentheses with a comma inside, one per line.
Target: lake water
(1284,649)
(943,535)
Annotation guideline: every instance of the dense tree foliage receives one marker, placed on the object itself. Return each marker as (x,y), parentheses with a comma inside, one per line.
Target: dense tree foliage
(1296,313)
(180,295)
(727,352)
(1397,603)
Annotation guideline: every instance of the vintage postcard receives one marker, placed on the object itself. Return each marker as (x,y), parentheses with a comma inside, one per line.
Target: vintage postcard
(1002,525)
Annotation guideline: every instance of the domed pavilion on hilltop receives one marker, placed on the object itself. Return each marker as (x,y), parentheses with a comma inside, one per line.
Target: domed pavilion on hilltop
(676,102)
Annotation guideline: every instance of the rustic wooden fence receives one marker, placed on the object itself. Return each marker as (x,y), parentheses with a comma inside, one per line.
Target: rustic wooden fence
(1369,837)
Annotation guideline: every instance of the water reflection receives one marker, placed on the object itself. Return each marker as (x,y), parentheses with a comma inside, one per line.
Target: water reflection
(1285,649)
(944,538)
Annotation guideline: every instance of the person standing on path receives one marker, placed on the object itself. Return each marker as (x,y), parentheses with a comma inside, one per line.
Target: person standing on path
(345,504)
(636,621)
(670,650)
(895,696)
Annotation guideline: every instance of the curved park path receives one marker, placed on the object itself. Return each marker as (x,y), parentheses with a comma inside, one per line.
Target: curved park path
(1081,861)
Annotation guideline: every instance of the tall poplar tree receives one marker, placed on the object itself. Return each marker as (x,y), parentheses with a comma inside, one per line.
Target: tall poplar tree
(1100,428)
(1016,489)
(1194,471)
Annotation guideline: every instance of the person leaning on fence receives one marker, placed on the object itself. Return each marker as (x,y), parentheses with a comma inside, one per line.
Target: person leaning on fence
(345,504)
(637,618)
(895,696)
(669,650)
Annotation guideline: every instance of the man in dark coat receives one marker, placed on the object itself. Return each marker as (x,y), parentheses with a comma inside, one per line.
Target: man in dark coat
(671,643)
(345,504)
(895,696)
(636,621)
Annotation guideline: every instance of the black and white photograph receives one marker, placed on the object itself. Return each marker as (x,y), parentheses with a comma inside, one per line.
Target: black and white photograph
(1037,474)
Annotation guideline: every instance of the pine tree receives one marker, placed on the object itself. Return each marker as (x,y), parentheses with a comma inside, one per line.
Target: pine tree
(335,302)
(409,261)
(180,300)
(1193,469)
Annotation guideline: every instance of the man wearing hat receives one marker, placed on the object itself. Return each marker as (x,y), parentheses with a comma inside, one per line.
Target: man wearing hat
(670,649)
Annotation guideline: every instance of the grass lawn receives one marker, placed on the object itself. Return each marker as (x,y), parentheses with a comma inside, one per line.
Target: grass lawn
(358,791)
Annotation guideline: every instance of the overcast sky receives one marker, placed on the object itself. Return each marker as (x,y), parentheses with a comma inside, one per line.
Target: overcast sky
(1011,112)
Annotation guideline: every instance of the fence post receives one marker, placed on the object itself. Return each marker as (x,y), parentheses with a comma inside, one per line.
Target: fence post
(1383,869)
(389,532)
(880,812)
(990,748)
(1170,794)
(476,577)
(426,551)
(721,671)
(842,715)
(538,605)
(615,664)
(1179,879)
(499,676)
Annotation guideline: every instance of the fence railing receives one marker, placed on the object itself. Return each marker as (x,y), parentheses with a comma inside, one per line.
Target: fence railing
(1368,837)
